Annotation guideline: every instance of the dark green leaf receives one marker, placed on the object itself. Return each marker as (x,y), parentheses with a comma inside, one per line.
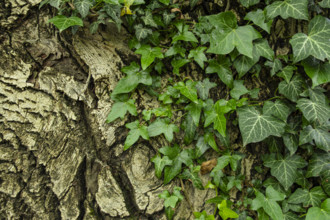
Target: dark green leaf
(288,8)
(198,55)
(287,73)
(188,90)
(189,128)
(316,213)
(192,175)
(312,197)
(276,66)
(279,109)
(177,64)
(263,49)
(201,147)
(238,90)
(217,116)
(317,164)
(248,3)
(243,64)
(318,72)
(325,178)
(314,110)
(293,89)
(204,87)
(223,70)
(141,32)
(148,19)
(325,3)
(149,54)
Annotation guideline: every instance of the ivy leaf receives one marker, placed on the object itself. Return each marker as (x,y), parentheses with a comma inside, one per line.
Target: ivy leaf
(204,87)
(319,135)
(83,7)
(288,8)
(217,116)
(279,109)
(203,216)
(325,4)
(315,43)
(258,18)
(256,127)
(210,140)
(119,109)
(192,175)
(148,19)
(228,35)
(184,34)
(316,213)
(174,170)
(136,130)
(194,110)
(276,66)
(141,32)
(222,69)
(176,49)
(149,54)
(62,22)
(188,90)
(314,110)
(226,212)
(312,197)
(268,203)
(243,64)
(198,55)
(317,164)
(290,216)
(189,128)
(165,2)
(238,90)
(177,64)
(318,72)
(291,141)
(133,79)
(287,73)
(160,163)
(248,3)
(167,17)
(285,169)
(263,49)
(293,89)
(233,182)
(201,147)
(162,126)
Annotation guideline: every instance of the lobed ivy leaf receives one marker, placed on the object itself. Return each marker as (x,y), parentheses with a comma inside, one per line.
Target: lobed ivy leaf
(141,32)
(248,3)
(317,164)
(279,109)
(263,49)
(198,55)
(184,34)
(162,126)
(149,54)
(188,89)
(223,70)
(148,19)
(275,66)
(136,130)
(243,64)
(316,43)
(203,88)
(288,8)
(192,175)
(226,212)
(287,73)
(177,64)
(320,135)
(317,71)
(201,147)
(82,6)
(291,141)
(195,110)
(119,110)
(167,17)
(293,89)
(312,197)
(160,163)
(258,18)
(325,3)
(238,89)
(189,128)
(285,168)
(176,49)
(62,22)
(314,110)
(316,213)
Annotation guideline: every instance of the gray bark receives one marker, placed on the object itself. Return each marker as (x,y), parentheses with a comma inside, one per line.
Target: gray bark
(58,157)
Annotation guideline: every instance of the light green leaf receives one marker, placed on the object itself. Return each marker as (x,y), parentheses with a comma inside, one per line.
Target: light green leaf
(317,164)
(149,54)
(204,87)
(119,109)
(223,70)
(188,90)
(198,55)
(320,135)
(258,18)
(325,4)
(148,19)
(285,169)
(263,49)
(313,110)
(62,22)
(167,17)
(248,3)
(288,8)
(136,130)
(203,216)
(316,213)
(318,72)
(226,212)
(256,127)
(177,64)
(83,6)
(160,163)
(141,32)
(316,43)
(312,197)
(162,126)
(293,89)
(287,73)
(279,109)
(238,90)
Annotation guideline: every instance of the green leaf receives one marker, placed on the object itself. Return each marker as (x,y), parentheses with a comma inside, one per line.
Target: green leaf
(268,203)
(290,216)
(325,4)
(279,109)
(238,90)
(258,18)
(223,70)
(263,49)
(136,130)
(175,169)
(317,164)
(188,90)
(62,22)
(177,64)
(133,79)
(314,110)
(319,135)
(203,216)
(119,109)
(204,87)
(162,126)
(167,17)
(148,19)
(149,54)
(160,163)
(217,116)
(285,169)
(233,182)
(198,55)
(318,72)
(171,152)
(141,32)
(189,128)
(192,175)
(210,140)
(176,49)
(256,127)
(194,110)
(248,3)
(226,212)
(83,7)
(227,35)
(312,197)
(293,89)
(291,141)
(243,64)
(201,147)
(288,8)
(316,43)
(316,213)
(276,66)
(184,34)
(165,2)
(287,73)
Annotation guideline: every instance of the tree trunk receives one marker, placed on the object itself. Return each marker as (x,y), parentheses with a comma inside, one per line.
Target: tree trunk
(58,157)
